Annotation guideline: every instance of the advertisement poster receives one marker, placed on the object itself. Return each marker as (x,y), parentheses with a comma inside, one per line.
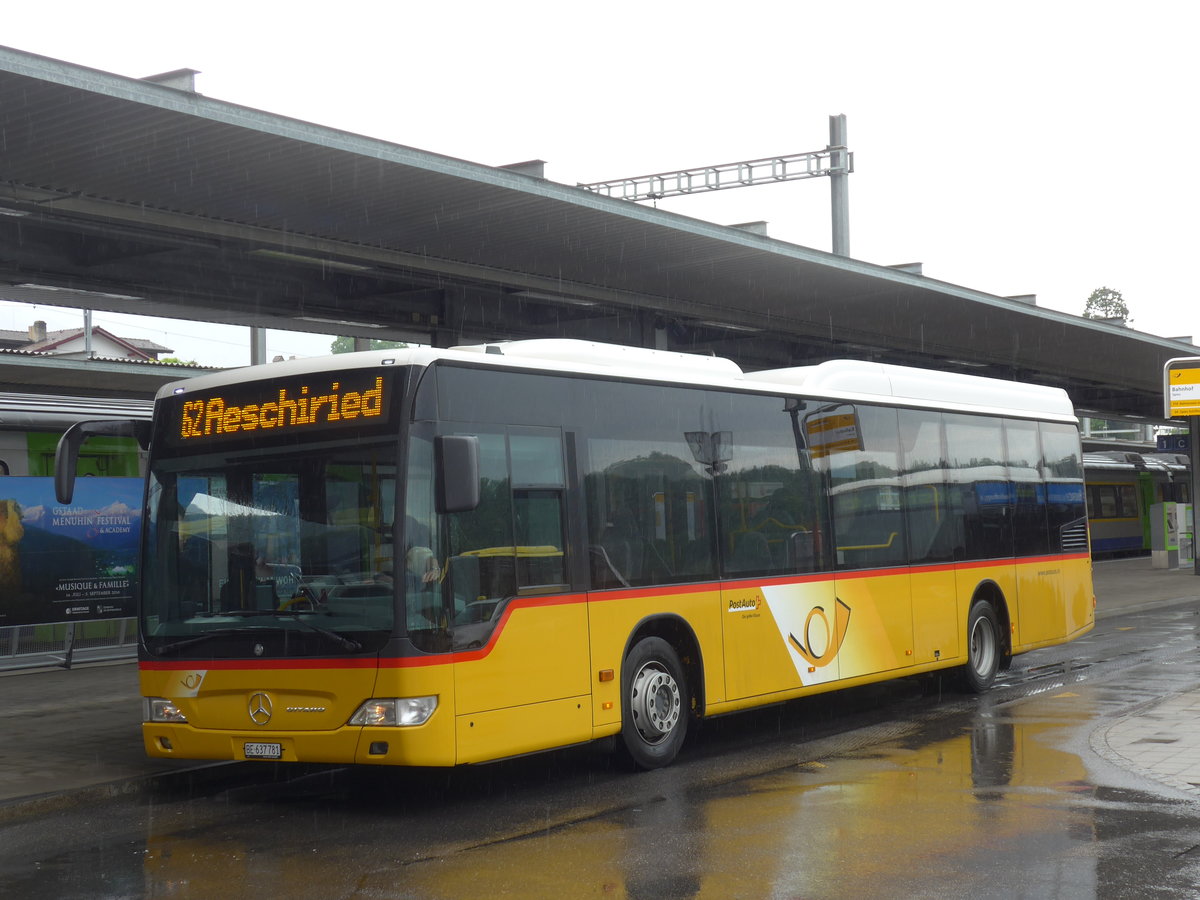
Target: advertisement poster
(66,563)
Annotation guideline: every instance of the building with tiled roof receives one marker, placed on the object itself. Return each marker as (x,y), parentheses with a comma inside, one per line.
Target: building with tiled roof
(73,342)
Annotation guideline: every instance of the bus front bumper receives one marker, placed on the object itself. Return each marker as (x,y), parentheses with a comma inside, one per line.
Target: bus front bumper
(420,746)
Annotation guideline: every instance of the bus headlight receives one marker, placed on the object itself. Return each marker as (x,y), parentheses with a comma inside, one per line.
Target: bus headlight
(395,711)
(159,709)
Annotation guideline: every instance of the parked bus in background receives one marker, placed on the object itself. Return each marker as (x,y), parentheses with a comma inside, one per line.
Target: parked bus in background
(437,557)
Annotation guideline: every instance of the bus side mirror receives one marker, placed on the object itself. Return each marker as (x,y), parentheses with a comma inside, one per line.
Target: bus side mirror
(66,454)
(457,462)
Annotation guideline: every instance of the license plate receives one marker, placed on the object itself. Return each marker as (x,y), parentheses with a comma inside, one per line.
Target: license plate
(263,751)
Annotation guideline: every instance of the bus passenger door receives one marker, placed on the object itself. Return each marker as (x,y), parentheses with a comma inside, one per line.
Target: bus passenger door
(518,633)
(783,624)
(859,448)
(932,535)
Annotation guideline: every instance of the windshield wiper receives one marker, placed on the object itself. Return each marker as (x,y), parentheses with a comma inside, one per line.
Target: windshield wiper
(341,640)
(184,643)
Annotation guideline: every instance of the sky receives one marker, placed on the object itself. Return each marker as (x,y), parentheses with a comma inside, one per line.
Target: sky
(1021,148)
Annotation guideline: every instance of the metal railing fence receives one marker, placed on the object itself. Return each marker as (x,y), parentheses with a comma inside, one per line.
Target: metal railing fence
(66,643)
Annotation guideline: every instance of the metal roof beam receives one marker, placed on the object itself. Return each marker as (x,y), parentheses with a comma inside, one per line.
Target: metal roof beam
(768,170)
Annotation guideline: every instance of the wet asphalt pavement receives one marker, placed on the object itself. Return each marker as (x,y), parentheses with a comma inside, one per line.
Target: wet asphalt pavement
(1077,777)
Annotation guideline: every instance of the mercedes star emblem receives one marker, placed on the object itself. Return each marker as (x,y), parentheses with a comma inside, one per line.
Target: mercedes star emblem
(260,708)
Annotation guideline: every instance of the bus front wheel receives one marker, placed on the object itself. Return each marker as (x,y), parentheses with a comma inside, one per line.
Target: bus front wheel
(655,695)
(983,648)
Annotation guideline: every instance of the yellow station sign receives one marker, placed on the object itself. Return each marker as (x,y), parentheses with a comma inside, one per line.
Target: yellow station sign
(1181,387)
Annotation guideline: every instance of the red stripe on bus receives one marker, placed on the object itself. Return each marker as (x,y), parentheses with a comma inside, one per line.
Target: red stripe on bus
(483,652)
(178,665)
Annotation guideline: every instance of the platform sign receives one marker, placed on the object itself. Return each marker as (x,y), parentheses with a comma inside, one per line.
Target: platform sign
(1181,387)
(1174,443)
(833,433)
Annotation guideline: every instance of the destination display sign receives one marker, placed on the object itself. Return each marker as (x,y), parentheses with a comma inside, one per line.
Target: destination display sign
(1181,387)
(318,402)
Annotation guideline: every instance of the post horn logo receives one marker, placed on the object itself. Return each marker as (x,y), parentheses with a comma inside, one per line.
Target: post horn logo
(835,635)
(260,708)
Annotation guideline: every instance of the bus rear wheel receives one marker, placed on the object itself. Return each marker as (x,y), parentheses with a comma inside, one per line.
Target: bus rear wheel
(656,704)
(983,648)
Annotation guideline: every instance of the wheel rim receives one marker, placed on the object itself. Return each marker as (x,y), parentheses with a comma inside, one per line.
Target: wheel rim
(655,703)
(983,646)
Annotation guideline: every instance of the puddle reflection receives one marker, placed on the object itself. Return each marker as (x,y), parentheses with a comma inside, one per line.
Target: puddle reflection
(989,805)
(989,796)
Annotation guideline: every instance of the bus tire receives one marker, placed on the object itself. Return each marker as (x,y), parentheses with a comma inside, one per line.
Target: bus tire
(983,648)
(655,704)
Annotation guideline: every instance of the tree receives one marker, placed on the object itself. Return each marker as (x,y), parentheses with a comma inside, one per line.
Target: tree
(1106,303)
(345,344)
(179,362)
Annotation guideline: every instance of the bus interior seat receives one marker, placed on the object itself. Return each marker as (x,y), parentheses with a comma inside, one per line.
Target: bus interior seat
(877,539)
(696,559)
(264,595)
(930,535)
(752,553)
(228,597)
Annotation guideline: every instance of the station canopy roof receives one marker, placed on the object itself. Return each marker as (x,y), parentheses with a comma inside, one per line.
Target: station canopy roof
(141,197)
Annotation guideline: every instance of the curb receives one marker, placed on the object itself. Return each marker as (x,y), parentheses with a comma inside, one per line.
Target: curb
(1150,604)
(1099,744)
(207,775)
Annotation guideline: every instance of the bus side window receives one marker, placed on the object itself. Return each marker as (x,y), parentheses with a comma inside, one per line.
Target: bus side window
(1062,467)
(539,487)
(862,447)
(981,494)
(771,500)
(933,532)
(648,513)
(649,501)
(1023,453)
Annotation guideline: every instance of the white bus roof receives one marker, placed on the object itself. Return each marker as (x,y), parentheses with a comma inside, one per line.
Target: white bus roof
(850,380)
(922,386)
(678,365)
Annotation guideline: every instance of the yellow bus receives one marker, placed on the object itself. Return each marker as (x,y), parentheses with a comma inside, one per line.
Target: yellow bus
(436,557)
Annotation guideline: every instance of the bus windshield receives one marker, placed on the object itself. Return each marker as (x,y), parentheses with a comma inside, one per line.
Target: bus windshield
(271,554)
